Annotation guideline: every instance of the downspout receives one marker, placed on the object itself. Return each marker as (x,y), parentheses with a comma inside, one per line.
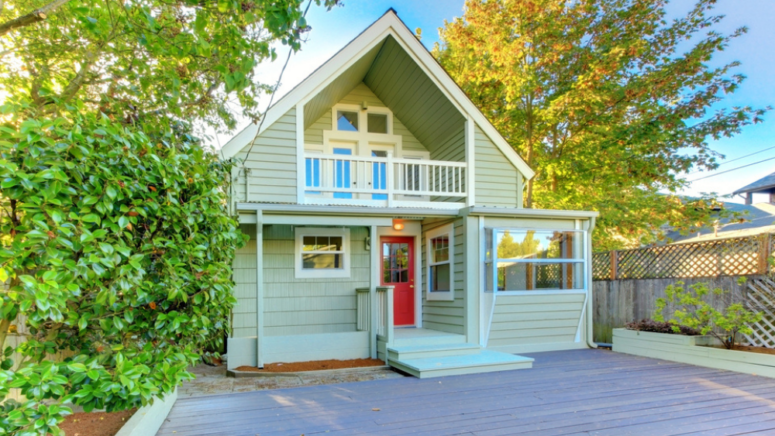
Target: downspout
(590,335)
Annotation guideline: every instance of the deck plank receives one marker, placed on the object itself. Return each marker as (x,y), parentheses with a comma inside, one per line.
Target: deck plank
(579,392)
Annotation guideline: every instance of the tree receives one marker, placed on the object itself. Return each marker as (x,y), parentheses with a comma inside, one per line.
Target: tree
(599,100)
(115,238)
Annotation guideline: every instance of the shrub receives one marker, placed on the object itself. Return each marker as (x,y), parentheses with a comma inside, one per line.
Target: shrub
(649,325)
(117,251)
(694,312)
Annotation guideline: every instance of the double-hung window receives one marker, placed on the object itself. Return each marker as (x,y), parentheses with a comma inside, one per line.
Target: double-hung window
(440,263)
(322,252)
(531,260)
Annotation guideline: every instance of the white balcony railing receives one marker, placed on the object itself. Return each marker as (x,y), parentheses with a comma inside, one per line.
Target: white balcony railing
(393,181)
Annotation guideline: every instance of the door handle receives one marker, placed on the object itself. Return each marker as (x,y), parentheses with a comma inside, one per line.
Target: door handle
(411,286)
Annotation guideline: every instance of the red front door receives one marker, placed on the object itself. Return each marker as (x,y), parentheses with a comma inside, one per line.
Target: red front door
(398,271)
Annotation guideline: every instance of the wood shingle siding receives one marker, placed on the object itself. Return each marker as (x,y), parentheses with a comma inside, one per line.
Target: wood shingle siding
(314,133)
(446,316)
(244,312)
(303,306)
(497,180)
(272,164)
(535,319)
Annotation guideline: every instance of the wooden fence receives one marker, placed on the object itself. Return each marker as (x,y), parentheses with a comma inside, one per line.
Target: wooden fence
(627,283)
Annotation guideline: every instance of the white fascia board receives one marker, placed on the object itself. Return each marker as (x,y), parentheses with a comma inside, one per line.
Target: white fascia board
(315,82)
(388,24)
(528,213)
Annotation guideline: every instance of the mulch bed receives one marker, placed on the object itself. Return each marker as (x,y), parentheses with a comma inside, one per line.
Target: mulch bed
(316,365)
(96,423)
(760,350)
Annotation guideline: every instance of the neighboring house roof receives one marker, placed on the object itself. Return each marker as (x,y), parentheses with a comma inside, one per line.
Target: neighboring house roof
(759,218)
(352,63)
(764,185)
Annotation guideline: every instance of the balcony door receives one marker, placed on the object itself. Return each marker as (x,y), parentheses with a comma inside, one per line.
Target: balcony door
(398,271)
(343,176)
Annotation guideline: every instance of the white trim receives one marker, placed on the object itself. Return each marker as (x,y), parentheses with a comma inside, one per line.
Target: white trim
(449,230)
(301,232)
(388,25)
(259,289)
(470,140)
(411,229)
(374,282)
(363,118)
(300,161)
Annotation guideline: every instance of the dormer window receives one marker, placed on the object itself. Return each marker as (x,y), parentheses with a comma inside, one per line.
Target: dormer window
(347,121)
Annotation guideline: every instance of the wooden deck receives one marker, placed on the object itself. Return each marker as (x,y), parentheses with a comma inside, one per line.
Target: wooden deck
(583,392)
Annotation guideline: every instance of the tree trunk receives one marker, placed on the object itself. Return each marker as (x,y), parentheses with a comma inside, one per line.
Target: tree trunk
(33,17)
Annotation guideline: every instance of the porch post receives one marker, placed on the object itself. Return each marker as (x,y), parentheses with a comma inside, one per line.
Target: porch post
(470,141)
(471,268)
(373,283)
(259,289)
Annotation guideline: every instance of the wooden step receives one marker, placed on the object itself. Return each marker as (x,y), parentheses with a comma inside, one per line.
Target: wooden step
(412,337)
(484,361)
(404,352)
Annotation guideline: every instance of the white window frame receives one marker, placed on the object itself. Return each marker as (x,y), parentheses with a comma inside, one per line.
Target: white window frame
(584,261)
(363,118)
(449,231)
(302,273)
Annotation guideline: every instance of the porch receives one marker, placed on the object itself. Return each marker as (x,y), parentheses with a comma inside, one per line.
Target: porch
(567,393)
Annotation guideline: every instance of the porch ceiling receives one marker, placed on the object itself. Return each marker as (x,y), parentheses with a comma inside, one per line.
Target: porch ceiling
(396,79)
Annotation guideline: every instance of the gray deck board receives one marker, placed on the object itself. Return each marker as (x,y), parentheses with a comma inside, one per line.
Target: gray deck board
(581,392)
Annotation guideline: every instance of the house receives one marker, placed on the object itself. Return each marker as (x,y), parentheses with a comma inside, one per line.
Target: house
(385,220)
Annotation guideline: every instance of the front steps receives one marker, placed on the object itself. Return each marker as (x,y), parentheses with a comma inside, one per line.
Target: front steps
(426,353)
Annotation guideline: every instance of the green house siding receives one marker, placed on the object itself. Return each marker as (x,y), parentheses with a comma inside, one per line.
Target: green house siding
(271,164)
(497,180)
(244,313)
(361,93)
(303,306)
(446,316)
(535,319)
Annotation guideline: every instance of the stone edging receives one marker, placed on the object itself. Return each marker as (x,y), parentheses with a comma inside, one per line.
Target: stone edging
(148,419)
(691,350)
(251,374)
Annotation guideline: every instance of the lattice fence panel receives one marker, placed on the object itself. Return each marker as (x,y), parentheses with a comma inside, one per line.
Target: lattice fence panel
(760,297)
(601,266)
(723,257)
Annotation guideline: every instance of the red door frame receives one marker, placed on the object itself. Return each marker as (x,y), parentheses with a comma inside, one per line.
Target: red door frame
(404,294)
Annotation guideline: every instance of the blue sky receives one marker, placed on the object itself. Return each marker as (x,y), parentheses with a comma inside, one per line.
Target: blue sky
(755,50)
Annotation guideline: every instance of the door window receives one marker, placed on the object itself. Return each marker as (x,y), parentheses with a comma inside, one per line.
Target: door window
(395,262)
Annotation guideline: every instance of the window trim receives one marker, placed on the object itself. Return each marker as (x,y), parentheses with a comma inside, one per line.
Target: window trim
(449,231)
(362,118)
(493,260)
(301,273)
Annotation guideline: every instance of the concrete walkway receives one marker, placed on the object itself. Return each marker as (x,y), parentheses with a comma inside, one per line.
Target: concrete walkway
(578,393)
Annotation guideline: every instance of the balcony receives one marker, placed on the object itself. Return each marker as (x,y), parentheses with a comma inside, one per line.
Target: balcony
(384,181)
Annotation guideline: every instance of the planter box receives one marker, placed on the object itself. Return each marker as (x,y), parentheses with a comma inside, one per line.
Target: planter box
(693,350)
(147,420)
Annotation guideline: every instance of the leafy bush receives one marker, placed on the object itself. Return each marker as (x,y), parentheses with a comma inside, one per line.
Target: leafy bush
(649,325)
(696,313)
(117,251)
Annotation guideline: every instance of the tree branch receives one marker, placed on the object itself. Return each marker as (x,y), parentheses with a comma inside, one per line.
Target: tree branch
(33,17)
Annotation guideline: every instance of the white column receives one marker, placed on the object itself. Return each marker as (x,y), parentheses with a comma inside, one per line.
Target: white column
(470,162)
(259,289)
(300,163)
(373,283)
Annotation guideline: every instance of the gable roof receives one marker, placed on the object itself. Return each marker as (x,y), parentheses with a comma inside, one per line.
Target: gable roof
(356,59)
(764,185)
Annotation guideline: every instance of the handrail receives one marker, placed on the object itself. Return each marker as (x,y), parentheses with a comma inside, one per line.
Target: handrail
(375,159)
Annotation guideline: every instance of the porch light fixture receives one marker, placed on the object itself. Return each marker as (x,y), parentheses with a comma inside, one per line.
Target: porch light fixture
(398,225)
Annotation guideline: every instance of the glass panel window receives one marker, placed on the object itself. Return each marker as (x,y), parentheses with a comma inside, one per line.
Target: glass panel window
(322,252)
(379,175)
(525,260)
(377,123)
(347,121)
(440,262)
(539,244)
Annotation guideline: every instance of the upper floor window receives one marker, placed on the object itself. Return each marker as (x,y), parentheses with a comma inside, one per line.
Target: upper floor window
(352,118)
(347,121)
